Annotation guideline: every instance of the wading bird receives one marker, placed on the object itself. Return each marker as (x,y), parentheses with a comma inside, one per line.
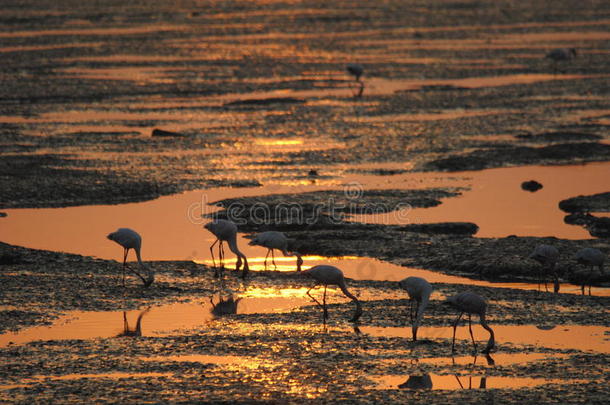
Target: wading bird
(547,256)
(130,239)
(471,303)
(560,55)
(330,275)
(419,290)
(590,257)
(275,240)
(226,231)
(356,70)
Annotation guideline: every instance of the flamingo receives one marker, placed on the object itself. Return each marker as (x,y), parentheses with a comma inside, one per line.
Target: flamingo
(275,240)
(560,55)
(547,256)
(356,70)
(130,239)
(590,257)
(419,290)
(330,275)
(471,303)
(226,231)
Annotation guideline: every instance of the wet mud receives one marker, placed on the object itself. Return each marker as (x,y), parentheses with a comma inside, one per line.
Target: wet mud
(259,94)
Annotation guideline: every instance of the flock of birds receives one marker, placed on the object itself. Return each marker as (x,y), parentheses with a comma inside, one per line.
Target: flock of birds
(548,256)
(417,288)
(557,56)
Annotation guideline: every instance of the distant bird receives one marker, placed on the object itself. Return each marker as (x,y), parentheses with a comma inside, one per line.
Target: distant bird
(419,290)
(226,231)
(330,275)
(356,70)
(130,239)
(275,240)
(471,303)
(561,55)
(590,257)
(547,256)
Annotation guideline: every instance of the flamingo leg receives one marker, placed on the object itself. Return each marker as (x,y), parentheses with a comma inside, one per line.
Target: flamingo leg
(221,253)
(324,301)
(266,257)
(411,310)
(470,329)
(455,324)
(212,252)
(312,297)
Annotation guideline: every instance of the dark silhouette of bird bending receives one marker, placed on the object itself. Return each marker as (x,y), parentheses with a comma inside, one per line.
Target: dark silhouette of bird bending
(590,257)
(547,256)
(560,55)
(419,290)
(226,231)
(130,239)
(330,275)
(356,70)
(275,240)
(470,303)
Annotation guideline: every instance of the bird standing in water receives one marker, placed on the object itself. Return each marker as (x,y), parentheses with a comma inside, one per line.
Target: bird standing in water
(330,275)
(560,55)
(130,239)
(226,231)
(590,257)
(419,290)
(471,303)
(547,256)
(356,70)
(275,240)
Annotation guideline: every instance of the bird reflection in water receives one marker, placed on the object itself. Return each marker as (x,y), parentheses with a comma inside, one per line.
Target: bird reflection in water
(135,332)
(483,382)
(417,382)
(225,306)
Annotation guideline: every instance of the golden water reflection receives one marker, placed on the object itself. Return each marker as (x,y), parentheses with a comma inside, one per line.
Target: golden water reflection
(455,382)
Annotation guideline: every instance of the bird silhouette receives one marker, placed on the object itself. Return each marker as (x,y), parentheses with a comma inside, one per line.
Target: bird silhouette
(356,70)
(330,275)
(590,257)
(547,256)
(560,55)
(226,231)
(419,290)
(130,239)
(471,303)
(275,240)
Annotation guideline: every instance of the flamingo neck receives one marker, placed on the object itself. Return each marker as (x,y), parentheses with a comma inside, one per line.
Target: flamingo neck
(358,312)
(151,275)
(491,342)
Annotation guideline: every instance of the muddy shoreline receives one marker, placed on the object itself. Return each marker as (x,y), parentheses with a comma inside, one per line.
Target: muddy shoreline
(246,94)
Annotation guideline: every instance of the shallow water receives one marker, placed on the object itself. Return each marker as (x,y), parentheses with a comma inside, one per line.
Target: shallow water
(171,226)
